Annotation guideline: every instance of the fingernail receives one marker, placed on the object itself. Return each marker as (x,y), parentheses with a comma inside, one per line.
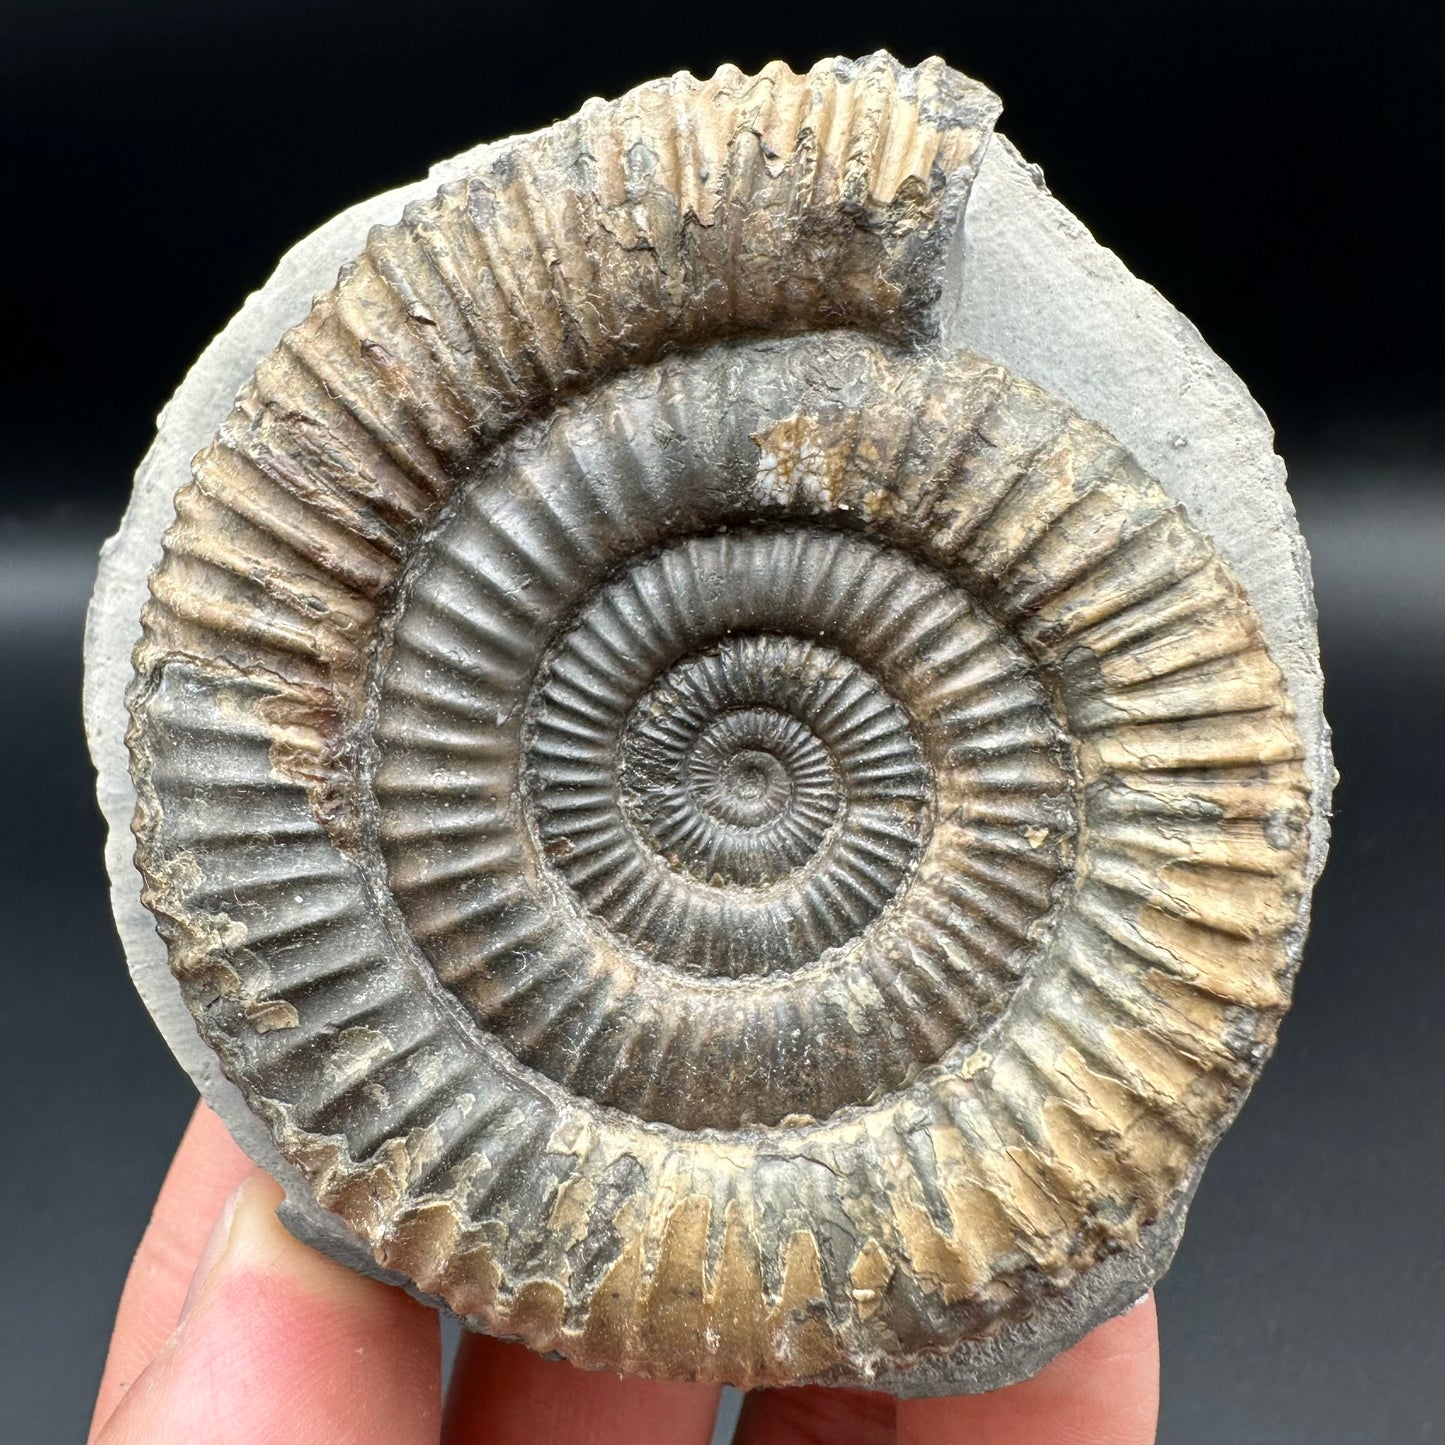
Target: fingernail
(216,1243)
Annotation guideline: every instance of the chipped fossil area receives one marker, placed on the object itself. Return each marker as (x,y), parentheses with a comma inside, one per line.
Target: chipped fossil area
(728,767)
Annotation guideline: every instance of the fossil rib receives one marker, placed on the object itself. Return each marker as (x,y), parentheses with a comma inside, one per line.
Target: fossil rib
(722,838)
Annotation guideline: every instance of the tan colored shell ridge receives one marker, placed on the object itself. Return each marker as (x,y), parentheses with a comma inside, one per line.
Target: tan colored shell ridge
(716,297)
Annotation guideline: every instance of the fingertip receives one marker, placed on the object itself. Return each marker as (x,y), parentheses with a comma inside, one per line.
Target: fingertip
(795,1415)
(207,1167)
(505,1394)
(1103,1391)
(279,1343)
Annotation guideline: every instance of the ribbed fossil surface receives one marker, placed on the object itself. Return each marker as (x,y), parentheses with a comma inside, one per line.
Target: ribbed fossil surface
(725,842)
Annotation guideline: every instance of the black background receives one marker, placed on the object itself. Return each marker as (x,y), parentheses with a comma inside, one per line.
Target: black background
(1271,167)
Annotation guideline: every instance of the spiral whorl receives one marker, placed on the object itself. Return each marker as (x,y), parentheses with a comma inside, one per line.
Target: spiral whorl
(763,761)
(723,777)
(722,840)
(725,749)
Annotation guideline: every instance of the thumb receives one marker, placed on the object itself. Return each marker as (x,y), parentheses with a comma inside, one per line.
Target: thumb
(276,1342)
(1104,1391)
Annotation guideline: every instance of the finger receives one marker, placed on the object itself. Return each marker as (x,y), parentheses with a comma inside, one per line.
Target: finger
(812,1415)
(504,1394)
(1104,1391)
(207,1167)
(278,1343)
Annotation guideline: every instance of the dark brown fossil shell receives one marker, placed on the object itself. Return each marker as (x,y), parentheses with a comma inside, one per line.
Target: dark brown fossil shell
(723,840)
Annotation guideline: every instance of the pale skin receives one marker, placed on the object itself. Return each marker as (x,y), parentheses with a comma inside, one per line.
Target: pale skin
(230,1332)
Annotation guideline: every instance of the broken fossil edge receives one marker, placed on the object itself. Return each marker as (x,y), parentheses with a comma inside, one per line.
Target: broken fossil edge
(1028,288)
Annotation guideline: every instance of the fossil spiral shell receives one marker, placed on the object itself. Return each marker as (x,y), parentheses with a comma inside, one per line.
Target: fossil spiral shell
(724,839)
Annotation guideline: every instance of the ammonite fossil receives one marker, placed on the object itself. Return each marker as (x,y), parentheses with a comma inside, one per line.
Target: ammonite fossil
(729,767)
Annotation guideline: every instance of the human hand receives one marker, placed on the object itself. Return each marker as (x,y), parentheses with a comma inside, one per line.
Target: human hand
(230,1332)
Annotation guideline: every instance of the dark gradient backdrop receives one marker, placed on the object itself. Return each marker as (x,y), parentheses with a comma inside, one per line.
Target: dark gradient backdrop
(1270,165)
